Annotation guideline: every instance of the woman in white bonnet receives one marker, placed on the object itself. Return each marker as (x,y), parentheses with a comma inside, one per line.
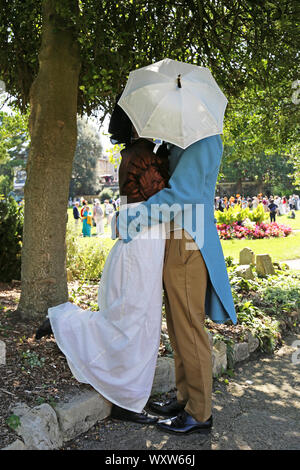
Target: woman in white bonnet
(98,217)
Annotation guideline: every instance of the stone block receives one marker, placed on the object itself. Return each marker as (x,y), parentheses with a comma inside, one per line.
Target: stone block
(210,337)
(164,378)
(240,352)
(2,353)
(253,342)
(16,445)
(264,265)
(245,271)
(81,412)
(219,358)
(39,427)
(247,256)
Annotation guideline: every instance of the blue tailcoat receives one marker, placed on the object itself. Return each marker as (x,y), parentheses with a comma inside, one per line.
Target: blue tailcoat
(193,176)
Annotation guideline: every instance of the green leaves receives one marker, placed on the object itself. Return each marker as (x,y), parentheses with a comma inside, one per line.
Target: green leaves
(13,421)
(11,230)
(246,48)
(261,304)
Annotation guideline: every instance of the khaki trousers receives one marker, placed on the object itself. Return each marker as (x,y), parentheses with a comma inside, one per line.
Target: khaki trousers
(185,281)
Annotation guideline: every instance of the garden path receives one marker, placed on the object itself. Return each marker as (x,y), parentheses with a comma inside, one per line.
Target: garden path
(293,263)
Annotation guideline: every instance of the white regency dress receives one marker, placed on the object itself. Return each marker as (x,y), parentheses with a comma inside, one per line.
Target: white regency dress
(115,349)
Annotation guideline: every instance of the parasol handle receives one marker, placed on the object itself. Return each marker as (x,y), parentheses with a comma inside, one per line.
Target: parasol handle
(179,81)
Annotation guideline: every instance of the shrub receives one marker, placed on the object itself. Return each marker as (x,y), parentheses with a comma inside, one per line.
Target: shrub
(11,230)
(106,193)
(85,262)
(262,303)
(258,215)
(237,214)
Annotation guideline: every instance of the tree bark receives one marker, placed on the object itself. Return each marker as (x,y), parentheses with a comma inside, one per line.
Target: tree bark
(239,186)
(53,130)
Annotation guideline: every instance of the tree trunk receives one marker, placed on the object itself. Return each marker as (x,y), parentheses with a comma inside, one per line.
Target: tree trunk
(53,131)
(239,186)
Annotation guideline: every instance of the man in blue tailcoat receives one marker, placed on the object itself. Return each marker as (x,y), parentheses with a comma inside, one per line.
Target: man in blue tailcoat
(195,277)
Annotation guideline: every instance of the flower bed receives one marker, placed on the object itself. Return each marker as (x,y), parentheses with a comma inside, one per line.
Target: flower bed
(250,230)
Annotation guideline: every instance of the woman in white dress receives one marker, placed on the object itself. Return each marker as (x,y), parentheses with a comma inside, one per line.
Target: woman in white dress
(98,217)
(115,349)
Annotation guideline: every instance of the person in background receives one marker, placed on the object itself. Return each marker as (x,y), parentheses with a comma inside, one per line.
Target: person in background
(292,215)
(118,201)
(265,202)
(109,211)
(76,215)
(285,205)
(98,217)
(113,202)
(272,208)
(244,203)
(87,221)
(84,203)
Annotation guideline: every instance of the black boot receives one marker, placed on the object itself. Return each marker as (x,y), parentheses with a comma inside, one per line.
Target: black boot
(44,330)
(126,415)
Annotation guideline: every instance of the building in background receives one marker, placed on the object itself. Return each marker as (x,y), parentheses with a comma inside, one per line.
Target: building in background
(107,172)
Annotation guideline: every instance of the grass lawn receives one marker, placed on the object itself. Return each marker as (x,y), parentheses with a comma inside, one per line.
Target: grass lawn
(294,223)
(279,249)
(105,240)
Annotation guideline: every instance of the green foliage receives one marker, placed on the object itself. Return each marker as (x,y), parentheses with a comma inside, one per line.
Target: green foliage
(258,215)
(50,401)
(14,141)
(88,151)
(85,262)
(229,261)
(274,171)
(282,295)
(261,304)
(246,44)
(106,193)
(13,134)
(232,214)
(237,214)
(6,184)
(11,230)
(31,359)
(13,421)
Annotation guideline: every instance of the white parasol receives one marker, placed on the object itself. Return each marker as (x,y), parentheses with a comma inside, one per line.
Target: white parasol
(174,101)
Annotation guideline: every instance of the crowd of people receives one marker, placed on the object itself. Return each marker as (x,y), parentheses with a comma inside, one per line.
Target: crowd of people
(93,215)
(276,205)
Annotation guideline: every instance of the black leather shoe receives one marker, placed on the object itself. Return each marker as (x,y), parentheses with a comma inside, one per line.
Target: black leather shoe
(184,423)
(126,415)
(166,408)
(44,330)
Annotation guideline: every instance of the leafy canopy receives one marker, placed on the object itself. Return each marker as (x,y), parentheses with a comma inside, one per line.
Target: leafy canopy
(244,43)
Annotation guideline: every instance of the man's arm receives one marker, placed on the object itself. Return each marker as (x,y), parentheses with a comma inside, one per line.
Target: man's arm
(186,187)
